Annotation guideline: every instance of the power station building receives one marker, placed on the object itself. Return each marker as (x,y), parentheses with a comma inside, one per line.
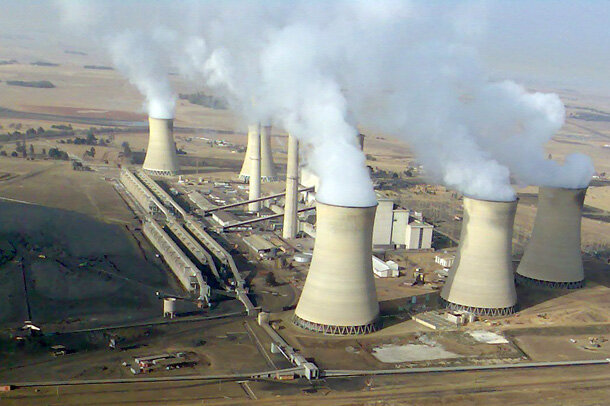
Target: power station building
(552,258)
(481,279)
(161,158)
(400,228)
(339,296)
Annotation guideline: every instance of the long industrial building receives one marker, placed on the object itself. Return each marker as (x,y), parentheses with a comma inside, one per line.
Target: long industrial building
(160,193)
(552,257)
(175,257)
(140,193)
(193,246)
(481,279)
(180,264)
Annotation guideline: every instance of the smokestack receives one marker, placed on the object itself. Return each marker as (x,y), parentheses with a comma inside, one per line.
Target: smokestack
(339,295)
(552,257)
(361,141)
(161,158)
(268,173)
(254,157)
(481,280)
(291,199)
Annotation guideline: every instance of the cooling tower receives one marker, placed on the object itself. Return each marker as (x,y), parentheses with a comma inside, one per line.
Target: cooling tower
(552,257)
(291,198)
(481,280)
(268,173)
(339,295)
(161,158)
(254,158)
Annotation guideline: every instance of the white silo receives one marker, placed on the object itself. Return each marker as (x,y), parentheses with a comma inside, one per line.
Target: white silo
(552,257)
(291,198)
(481,280)
(339,295)
(268,173)
(161,158)
(170,307)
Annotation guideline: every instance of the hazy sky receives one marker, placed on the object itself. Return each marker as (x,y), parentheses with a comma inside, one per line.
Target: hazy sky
(535,41)
(556,40)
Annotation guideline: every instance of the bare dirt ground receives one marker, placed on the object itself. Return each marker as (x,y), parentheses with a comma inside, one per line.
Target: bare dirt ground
(55,184)
(549,386)
(221,346)
(75,269)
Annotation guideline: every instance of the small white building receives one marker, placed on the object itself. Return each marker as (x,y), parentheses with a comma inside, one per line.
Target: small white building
(445,260)
(200,201)
(384,270)
(224,218)
(261,246)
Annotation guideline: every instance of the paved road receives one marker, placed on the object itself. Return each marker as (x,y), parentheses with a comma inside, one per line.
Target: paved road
(576,385)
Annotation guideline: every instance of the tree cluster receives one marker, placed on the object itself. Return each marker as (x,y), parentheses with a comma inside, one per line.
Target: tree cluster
(56,153)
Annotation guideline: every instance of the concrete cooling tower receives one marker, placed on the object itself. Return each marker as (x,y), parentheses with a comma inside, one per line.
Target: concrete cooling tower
(481,280)
(339,295)
(268,173)
(161,158)
(552,257)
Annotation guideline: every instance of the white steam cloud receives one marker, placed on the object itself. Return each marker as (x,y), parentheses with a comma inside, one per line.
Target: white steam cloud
(408,69)
(139,52)
(140,59)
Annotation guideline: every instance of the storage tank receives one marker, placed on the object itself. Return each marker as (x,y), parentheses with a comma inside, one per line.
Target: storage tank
(481,279)
(268,173)
(170,307)
(339,295)
(552,257)
(161,158)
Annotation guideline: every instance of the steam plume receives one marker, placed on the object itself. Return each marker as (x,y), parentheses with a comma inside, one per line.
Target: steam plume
(138,58)
(408,69)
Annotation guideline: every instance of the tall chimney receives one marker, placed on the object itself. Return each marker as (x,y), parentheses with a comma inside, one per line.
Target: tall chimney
(361,141)
(292,189)
(268,173)
(254,157)
(161,158)
(339,295)
(481,280)
(552,257)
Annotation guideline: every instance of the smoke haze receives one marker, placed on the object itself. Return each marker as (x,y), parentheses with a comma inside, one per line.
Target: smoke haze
(408,69)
